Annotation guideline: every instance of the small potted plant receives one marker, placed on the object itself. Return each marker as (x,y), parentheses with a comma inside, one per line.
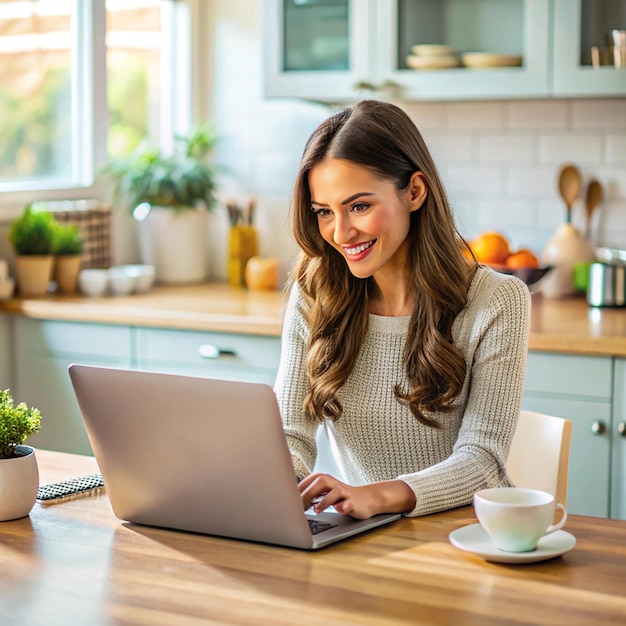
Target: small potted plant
(32,236)
(170,194)
(68,248)
(19,475)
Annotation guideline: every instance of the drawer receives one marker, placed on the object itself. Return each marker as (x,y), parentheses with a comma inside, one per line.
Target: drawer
(76,339)
(205,352)
(569,374)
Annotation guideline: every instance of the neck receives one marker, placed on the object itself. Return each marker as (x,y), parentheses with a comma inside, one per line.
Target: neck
(391,299)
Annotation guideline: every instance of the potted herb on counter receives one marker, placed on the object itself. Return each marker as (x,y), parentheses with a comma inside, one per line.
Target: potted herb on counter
(68,249)
(19,474)
(32,236)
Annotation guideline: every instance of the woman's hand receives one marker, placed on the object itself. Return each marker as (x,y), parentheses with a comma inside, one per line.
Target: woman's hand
(323,490)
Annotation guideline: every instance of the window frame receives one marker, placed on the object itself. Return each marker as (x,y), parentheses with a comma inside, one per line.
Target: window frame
(90,123)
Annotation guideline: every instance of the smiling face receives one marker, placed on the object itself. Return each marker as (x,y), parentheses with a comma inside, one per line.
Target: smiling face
(364,217)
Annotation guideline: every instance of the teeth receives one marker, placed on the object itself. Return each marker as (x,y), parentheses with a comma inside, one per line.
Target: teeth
(358,249)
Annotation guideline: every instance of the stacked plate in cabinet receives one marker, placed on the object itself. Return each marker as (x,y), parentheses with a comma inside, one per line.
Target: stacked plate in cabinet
(432,57)
(484,60)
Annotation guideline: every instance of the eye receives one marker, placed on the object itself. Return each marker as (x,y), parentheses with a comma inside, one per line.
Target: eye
(321,212)
(359,207)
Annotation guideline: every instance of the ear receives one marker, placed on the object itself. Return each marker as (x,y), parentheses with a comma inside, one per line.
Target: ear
(418,190)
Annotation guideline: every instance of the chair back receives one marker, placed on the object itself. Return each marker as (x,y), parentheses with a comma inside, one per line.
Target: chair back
(539,455)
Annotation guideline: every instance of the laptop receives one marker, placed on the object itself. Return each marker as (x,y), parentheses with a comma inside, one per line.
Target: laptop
(200,455)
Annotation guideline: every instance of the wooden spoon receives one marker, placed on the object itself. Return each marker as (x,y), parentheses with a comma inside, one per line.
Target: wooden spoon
(593,199)
(569,186)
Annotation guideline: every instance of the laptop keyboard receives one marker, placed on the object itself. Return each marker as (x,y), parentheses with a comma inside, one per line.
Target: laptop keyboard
(318,527)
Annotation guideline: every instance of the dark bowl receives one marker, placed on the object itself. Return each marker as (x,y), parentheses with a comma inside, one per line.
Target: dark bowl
(530,275)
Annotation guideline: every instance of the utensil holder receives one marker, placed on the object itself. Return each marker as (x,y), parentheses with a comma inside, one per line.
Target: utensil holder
(242,246)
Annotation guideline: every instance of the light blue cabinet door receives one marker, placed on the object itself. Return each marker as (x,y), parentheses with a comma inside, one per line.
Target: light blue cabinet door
(226,356)
(520,27)
(618,482)
(341,28)
(578,26)
(44,350)
(590,453)
(578,388)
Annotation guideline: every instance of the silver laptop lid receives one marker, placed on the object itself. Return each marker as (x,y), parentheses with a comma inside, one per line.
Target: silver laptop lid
(192,454)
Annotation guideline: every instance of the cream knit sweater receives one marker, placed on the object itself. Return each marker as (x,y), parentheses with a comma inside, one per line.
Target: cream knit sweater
(377,438)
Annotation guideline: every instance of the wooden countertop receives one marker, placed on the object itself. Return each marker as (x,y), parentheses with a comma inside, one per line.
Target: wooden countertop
(207,306)
(568,326)
(75,563)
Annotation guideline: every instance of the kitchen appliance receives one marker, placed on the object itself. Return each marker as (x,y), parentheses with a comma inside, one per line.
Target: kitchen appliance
(607,279)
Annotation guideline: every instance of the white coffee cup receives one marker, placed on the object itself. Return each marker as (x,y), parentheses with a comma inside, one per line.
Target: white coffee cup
(516,518)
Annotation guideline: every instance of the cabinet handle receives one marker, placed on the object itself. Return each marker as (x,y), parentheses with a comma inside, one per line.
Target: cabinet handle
(598,427)
(621,429)
(207,351)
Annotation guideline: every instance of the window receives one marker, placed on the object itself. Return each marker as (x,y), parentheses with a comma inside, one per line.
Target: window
(84,79)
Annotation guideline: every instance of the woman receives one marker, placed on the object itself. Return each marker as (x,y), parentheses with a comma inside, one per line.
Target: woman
(412,356)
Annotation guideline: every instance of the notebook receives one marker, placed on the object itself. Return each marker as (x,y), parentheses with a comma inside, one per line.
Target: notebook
(200,455)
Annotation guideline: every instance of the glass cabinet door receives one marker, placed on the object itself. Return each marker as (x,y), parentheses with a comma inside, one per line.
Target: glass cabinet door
(590,47)
(317,49)
(458,49)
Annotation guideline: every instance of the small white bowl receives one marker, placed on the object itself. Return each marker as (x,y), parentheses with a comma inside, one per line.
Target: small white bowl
(144,276)
(122,282)
(7,286)
(93,282)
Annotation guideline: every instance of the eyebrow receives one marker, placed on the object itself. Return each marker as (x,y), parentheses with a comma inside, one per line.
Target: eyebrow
(348,200)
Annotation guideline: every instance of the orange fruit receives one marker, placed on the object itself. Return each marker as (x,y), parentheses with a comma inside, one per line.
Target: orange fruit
(521,259)
(491,247)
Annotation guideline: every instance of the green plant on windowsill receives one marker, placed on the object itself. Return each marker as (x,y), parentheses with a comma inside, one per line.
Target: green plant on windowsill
(17,422)
(180,180)
(67,240)
(33,233)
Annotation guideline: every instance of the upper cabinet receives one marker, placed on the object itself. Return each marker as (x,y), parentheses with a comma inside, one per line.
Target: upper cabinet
(585,52)
(336,50)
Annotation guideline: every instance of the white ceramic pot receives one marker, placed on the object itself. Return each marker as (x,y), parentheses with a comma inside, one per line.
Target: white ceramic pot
(175,242)
(564,250)
(19,481)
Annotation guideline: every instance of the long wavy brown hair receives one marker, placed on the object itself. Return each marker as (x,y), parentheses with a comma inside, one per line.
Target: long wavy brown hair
(382,138)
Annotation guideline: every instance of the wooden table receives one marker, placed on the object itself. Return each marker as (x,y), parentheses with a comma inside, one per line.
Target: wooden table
(75,563)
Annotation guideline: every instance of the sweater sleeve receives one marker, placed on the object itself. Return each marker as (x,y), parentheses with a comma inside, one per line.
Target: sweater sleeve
(292,386)
(499,340)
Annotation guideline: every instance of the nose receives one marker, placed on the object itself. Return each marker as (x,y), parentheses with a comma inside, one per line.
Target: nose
(344,229)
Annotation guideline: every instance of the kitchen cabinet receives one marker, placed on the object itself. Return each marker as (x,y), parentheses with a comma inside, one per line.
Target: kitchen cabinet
(578,388)
(578,26)
(618,477)
(336,50)
(227,356)
(44,350)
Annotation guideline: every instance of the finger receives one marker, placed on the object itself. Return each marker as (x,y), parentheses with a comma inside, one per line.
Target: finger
(307,481)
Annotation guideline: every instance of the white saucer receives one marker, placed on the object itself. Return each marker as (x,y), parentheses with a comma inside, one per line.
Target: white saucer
(474,539)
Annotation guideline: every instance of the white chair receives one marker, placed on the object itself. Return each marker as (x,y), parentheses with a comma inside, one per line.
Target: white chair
(539,456)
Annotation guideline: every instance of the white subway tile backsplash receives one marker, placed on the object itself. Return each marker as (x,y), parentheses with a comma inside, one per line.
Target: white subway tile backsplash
(447,149)
(506,147)
(538,115)
(601,114)
(425,115)
(474,115)
(616,148)
(570,147)
(486,180)
(532,181)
